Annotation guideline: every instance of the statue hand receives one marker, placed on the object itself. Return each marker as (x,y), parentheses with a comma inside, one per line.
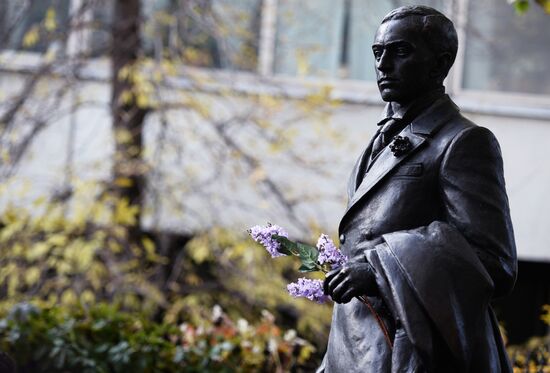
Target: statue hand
(355,278)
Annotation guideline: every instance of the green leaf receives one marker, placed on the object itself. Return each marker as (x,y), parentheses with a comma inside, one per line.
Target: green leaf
(308,254)
(308,268)
(287,246)
(521,6)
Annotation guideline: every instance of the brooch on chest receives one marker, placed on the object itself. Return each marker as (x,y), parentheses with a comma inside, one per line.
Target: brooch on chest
(400,145)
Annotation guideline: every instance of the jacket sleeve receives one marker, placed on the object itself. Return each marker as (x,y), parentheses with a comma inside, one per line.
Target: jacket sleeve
(476,204)
(448,301)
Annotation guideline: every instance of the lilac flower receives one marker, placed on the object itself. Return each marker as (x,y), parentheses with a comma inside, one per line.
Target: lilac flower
(329,253)
(263,235)
(311,289)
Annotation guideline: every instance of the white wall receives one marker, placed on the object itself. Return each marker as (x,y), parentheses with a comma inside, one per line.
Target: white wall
(232,199)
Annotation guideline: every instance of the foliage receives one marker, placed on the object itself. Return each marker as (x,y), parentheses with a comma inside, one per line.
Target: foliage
(533,356)
(522,6)
(104,339)
(65,255)
(244,281)
(79,254)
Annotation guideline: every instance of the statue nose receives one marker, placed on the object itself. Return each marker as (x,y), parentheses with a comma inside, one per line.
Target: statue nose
(384,62)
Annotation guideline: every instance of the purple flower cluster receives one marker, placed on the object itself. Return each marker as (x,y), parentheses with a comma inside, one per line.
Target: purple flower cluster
(263,235)
(311,289)
(329,253)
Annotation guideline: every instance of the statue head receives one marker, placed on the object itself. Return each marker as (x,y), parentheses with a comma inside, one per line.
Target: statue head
(414,48)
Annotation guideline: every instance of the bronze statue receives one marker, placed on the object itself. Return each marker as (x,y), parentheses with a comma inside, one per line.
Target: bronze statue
(427,224)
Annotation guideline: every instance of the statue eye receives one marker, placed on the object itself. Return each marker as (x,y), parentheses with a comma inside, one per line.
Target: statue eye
(377,53)
(403,51)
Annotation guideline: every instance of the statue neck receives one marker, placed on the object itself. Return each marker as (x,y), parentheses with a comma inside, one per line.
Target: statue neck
(410,110)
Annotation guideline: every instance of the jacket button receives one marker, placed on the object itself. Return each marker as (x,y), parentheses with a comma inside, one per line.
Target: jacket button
(368,235)
(342,238)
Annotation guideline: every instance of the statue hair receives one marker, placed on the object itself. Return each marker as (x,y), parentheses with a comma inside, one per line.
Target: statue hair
(438,30)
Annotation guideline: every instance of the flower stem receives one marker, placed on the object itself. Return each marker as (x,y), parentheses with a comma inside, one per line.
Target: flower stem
(379,320)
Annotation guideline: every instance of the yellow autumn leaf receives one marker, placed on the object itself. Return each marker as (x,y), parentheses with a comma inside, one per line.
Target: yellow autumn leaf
(258,175)
(84,257)
(32,275)
(148,244)
(546,314)
(68,297)
(123,136)
(302,63)
(50,22)
(142,100)
(5,156)
(199,249)
(545,4)
(50,55)
(169,67)
(268,101)
(131,300)
(114,246)
(63,268)
(151,253)
(87,297)
(6,271)
(157,75)
(17,249)
(126,97)
(125,213)
(40,201)
(38,250)
(124,182)
(124,73)
(13,284)
(57,239)
(31,37)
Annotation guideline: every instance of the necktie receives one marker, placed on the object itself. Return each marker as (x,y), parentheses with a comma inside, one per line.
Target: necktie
(385,135)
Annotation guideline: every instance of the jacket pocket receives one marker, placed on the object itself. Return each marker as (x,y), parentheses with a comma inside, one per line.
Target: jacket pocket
(410,170)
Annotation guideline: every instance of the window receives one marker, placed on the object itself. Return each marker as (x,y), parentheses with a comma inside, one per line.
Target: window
(309,34)
(331,38)
(505,51)
(499,50)
(35,25)
(219,34)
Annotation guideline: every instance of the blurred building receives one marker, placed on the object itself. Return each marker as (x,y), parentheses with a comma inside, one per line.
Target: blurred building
(500,80)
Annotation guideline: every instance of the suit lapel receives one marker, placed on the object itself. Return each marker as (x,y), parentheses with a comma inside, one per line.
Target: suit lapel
(385,162)
(361,167)
(425,125)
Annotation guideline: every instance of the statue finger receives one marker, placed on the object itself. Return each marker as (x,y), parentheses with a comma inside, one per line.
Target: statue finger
(332,273)
(328,277)
(348,295)
(325,286)
(339,291)
(334,282)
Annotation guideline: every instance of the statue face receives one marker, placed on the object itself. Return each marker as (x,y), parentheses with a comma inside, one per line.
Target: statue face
(403,61)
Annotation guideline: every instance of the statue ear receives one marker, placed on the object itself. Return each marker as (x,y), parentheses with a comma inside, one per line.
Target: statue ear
(442,65)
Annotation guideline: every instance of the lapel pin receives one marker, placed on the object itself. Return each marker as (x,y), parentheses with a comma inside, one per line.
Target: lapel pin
(400,145)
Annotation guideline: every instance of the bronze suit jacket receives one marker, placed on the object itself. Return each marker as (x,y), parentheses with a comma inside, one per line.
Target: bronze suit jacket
(442,210)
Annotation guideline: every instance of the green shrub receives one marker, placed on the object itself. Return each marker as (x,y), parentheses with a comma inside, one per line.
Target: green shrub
(534,355)
(86,254)
(104,339)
